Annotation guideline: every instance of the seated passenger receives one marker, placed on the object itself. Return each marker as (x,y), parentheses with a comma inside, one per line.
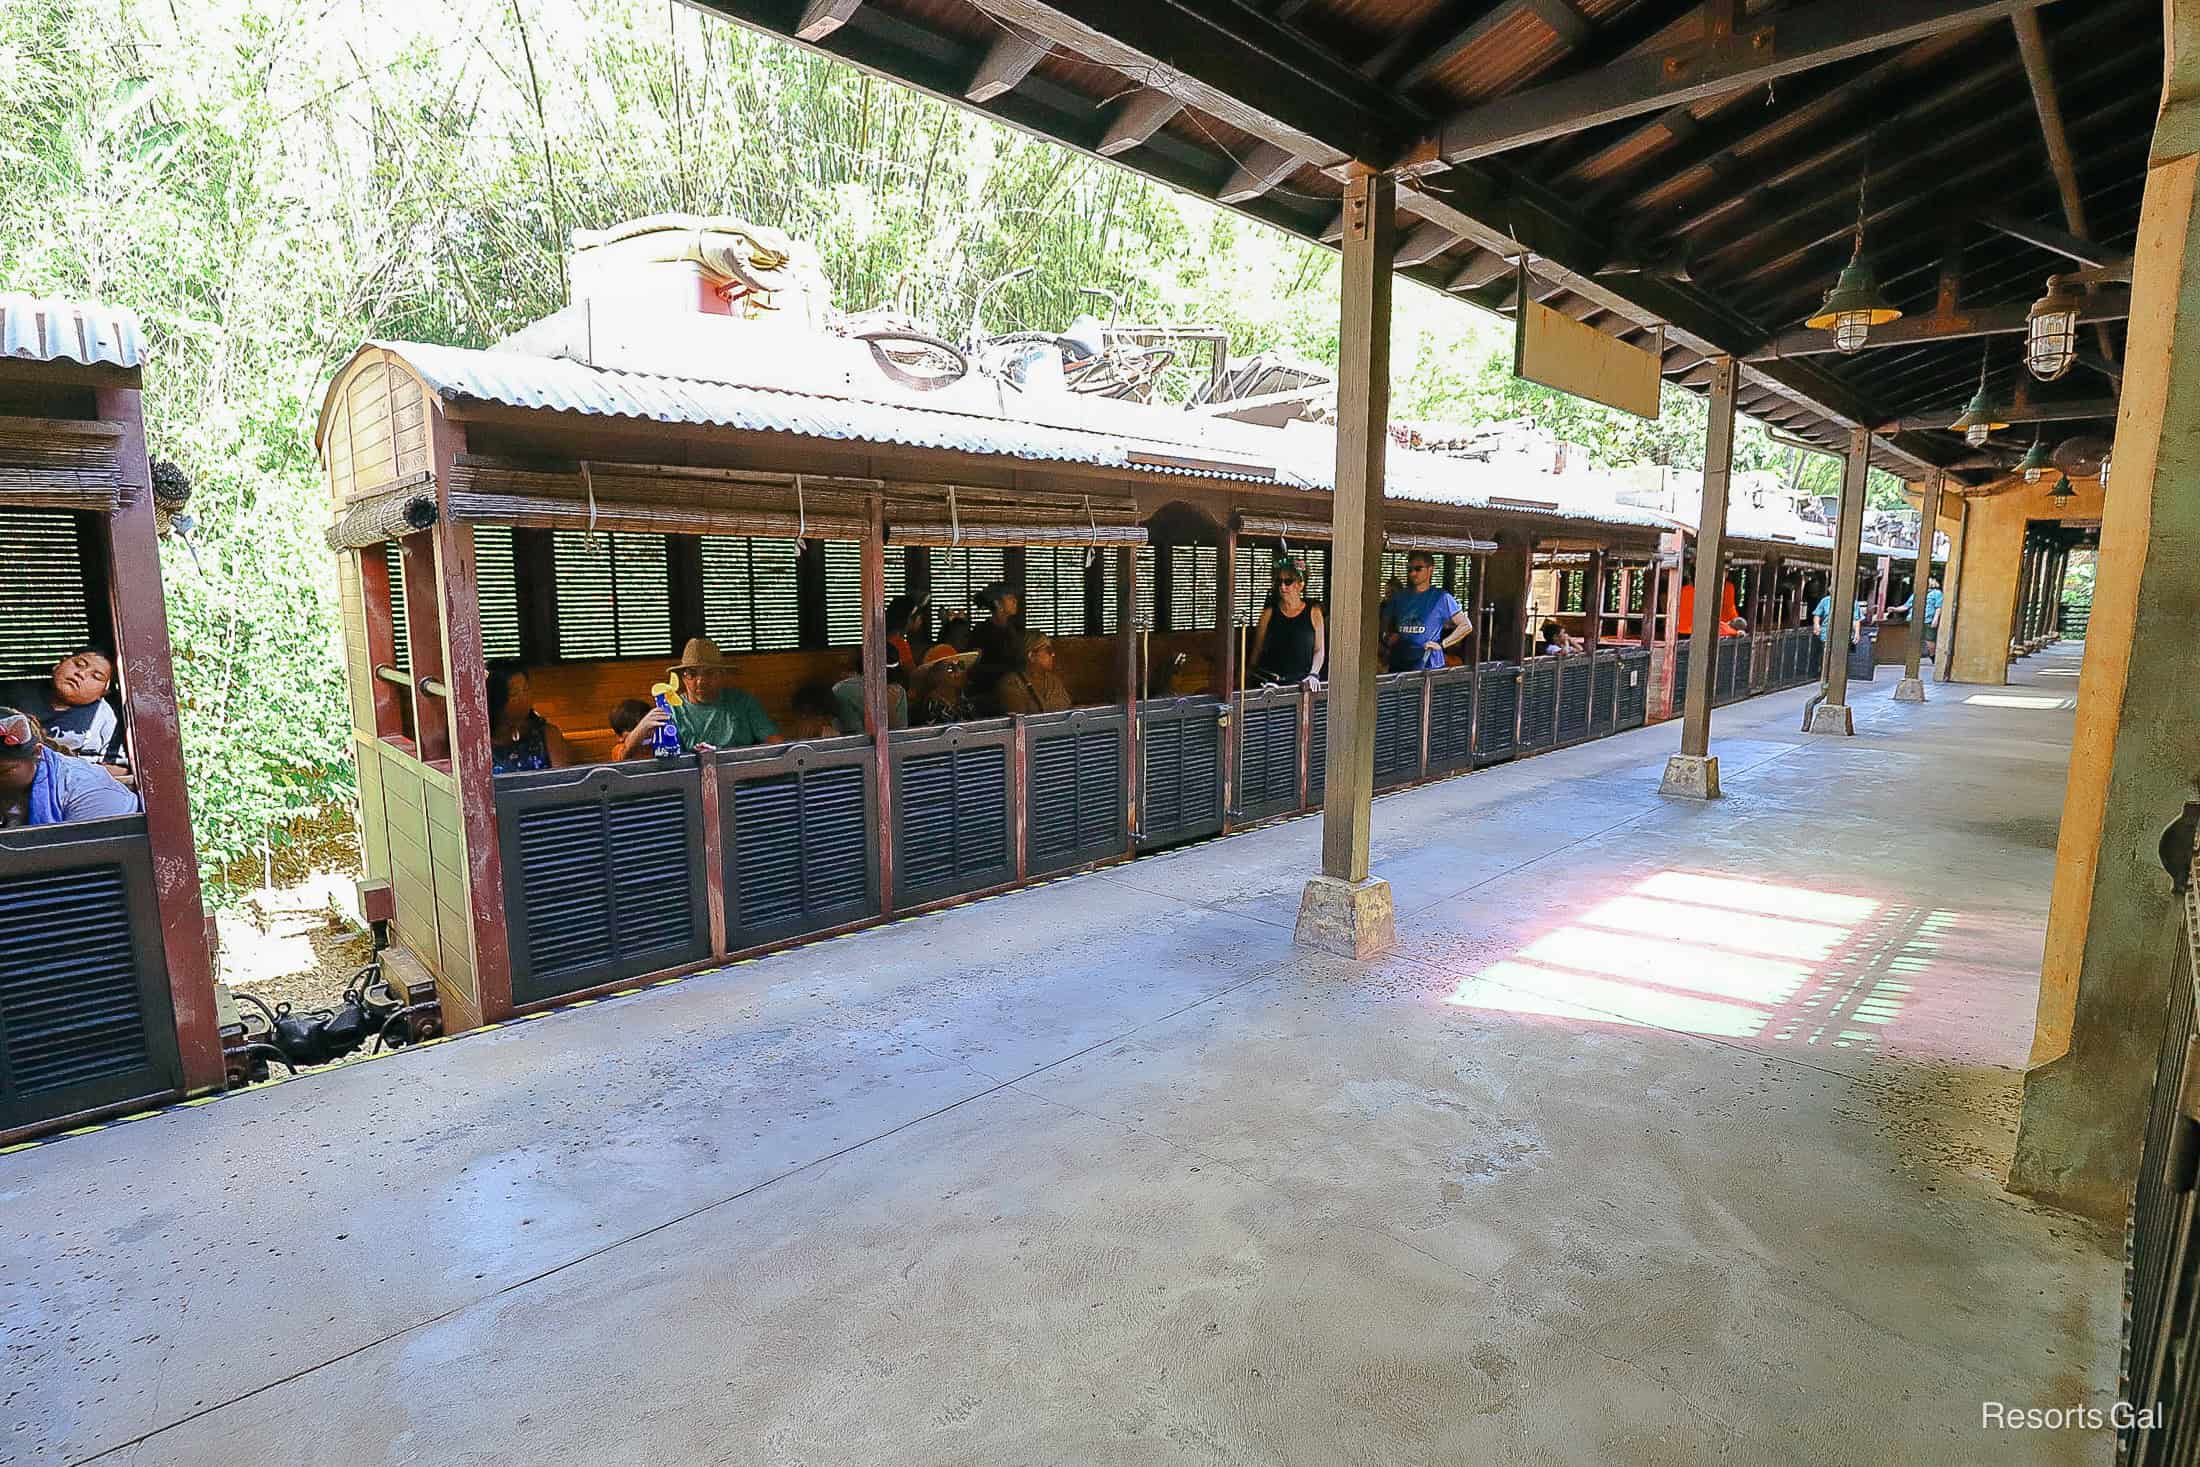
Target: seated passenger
(712,710)
(847,696)
(955,638)
(1556,641)
(626,717)
(519,740)
(816,712)
(939,692)
(901,623)
(71,704)
(999,640)
(1035,687)
(39,785)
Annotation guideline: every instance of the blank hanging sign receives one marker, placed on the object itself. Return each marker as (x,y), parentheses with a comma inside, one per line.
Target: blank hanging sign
(1556,350)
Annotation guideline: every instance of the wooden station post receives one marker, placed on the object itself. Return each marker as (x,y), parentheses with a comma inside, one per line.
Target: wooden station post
(1832,716)
(1344,910)
(1694,771)
(1912,687)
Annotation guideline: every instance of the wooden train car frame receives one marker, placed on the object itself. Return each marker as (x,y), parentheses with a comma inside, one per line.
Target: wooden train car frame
(106,989)
(492,505)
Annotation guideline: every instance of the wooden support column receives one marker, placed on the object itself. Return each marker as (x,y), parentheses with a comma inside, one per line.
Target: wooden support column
(1226,666)
(1912,687)
(1832,716)
(871,582)
(1693,772)
(1665,597)
(2114,919)
(1343,910)
(1592,607)
(146,662)
(1127,627)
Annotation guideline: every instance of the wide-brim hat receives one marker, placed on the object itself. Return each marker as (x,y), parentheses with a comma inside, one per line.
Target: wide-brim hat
(698,654)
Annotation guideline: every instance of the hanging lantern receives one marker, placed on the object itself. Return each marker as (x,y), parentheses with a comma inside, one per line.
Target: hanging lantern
(2062,493)
(2035,463)
(1854,306)
(2051,330)
(1979,420)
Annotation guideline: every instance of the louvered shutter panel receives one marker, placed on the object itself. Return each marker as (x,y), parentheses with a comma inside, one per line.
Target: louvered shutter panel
(1193,586)
(1268,757)
(1450,721)
(1604,701)
(614,595)
(401,639)
(1317,751)
(951,822)
(43,615)
(1397,729)
(603,880)
(496,591)
(1182,784)
(1500,707)
(799,845)
(77,1028)
(844,588)
(1573,699)
(1073,784)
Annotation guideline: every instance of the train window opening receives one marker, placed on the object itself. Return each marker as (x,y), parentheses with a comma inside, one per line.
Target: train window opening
(55,600)
(1055,588)
(614,593)
(1145,560)
(422,631)
(496,593)
(751,600)
(393,565)
(388,653)
(959,574)
(844,588)
(1194,572)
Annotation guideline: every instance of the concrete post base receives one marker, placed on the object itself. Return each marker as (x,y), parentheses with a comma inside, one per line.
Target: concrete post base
(1910,690)
(1350,919)
(1832,718)
(1691,776)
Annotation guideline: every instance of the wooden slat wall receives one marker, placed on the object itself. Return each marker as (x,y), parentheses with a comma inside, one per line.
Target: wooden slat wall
(358,669)
(374,841)
(378,432)
(453,897)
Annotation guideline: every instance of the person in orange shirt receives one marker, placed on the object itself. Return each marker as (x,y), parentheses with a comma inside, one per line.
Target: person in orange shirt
(1685,614)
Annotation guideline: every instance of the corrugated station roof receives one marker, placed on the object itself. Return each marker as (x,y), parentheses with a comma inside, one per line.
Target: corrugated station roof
(1654,202)
(54,330)
(1301,458)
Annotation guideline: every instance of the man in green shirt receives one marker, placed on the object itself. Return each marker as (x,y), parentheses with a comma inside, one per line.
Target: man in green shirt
(712,710)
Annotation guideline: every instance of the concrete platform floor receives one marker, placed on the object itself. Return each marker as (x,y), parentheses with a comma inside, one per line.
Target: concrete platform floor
(1672,1133)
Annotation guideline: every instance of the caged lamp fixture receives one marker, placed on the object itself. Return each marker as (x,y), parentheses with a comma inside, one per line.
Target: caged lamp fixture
(1854,305)
(1979,420)
(2036,461)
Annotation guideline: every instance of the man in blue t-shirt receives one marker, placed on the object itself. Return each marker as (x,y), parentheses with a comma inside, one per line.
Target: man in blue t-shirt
(1427,619)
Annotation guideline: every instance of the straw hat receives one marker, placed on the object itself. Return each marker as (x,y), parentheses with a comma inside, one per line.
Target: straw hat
(700,653)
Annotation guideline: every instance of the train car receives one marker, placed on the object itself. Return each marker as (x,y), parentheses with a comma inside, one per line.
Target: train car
(635,485)
(106,989)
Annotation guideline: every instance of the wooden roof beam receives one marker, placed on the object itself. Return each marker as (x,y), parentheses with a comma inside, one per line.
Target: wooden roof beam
(1007,62)
(2102,305)
(2020,411)
(1424,244)
(2049,238)
(2047,105)
(1756,51)
(1233,63)
(1137,120)
(820,18)
(1259,171)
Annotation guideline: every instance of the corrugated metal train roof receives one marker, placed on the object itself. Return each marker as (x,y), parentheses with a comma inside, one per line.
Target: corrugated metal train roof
(55,330)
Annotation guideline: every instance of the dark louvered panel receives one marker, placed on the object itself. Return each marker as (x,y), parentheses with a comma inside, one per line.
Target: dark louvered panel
(563,863)
(1162,742)
(1073,793)
(1538,705)
(1728,673)
(1680,676)
(1573,700)
(1450,721)
(1051,813)
(1604,694)
(951,827)
(603,875)
(1100,791)
(1268,758)
(799,847)
(1183,773)
(1634,689)
(70,1006)
(1493,721)
(649,870)
(1317,752)
(1398,730)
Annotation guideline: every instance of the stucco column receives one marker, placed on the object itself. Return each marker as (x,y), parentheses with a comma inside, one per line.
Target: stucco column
(2112,922)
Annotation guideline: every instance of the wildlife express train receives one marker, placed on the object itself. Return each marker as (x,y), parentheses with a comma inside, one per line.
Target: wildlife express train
(585,501)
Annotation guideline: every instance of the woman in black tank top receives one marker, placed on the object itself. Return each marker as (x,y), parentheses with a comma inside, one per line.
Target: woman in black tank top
(1290,643)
